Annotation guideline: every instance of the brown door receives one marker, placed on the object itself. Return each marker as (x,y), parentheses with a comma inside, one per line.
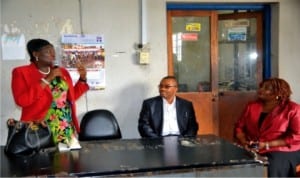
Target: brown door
(240,65)
(208,53)
(192,58)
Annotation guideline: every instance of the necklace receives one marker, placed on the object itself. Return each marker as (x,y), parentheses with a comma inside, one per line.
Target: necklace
(45,73)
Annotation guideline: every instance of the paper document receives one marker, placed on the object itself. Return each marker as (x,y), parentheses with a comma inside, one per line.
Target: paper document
(74,145)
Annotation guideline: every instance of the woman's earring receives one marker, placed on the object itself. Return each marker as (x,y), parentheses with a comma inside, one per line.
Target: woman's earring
(37,58)
(277,97)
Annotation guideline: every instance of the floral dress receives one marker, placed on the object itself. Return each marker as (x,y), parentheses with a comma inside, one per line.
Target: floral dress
(59,116)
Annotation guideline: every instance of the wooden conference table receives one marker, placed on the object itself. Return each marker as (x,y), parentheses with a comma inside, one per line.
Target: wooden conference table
(205,155)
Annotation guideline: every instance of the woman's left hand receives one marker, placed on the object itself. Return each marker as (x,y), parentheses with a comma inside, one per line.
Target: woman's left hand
(81,70)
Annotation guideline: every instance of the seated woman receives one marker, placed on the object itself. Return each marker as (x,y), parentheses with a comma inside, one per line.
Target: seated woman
(271,126)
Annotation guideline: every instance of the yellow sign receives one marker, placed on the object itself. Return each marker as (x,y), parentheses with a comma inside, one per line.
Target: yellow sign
(193,27)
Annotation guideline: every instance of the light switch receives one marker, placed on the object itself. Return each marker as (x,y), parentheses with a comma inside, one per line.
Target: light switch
(144,57)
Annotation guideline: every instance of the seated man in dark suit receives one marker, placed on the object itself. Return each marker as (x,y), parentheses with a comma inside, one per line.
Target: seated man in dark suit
(167,114)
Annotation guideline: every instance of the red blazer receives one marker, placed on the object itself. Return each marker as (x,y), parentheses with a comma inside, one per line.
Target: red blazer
(34,100)
(282,122)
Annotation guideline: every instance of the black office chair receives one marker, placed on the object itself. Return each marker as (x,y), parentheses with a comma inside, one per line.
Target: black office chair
(99,124)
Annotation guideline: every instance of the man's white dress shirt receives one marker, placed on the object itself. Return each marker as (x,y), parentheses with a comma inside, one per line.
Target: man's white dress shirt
(170,125)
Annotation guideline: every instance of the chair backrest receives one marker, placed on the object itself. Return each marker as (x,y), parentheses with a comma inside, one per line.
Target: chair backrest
(99,124)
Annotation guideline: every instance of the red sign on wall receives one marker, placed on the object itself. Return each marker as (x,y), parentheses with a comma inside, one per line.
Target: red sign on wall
(189,36)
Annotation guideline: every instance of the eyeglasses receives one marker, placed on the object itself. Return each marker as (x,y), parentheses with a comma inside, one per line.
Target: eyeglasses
(166,86)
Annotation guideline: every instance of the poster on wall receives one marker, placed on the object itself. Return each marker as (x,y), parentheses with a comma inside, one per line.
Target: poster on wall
(13,46)
(88,50)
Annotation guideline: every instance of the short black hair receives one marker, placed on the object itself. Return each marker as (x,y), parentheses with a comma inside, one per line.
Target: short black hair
(35,45)
(169,77)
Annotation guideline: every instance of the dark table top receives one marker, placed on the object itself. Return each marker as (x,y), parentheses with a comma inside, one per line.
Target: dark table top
(126,156)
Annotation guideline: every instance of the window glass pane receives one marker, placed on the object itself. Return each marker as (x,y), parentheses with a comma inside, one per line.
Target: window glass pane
(237,55)
(191,53)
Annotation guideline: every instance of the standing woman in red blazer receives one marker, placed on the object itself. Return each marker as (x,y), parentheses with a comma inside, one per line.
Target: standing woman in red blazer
(271,126)
(46,93)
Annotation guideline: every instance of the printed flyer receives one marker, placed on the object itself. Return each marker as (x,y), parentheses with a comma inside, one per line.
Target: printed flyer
(89,51)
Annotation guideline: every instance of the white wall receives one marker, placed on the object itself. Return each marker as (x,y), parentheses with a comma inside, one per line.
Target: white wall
(1,93)
(128,83)
(289,44)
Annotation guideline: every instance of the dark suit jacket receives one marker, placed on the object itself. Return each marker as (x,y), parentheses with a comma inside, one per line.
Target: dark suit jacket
(151,117)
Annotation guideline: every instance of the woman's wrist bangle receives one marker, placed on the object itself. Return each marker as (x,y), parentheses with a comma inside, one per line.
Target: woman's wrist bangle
(45,81)
(267,146)
(82,80)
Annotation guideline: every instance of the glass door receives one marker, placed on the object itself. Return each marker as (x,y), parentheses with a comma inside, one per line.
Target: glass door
(239,65)
(192,55)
